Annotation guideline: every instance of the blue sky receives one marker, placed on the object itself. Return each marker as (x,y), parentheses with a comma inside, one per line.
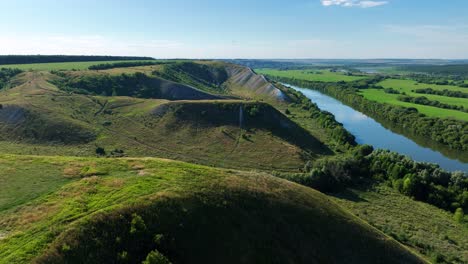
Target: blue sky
(237,29)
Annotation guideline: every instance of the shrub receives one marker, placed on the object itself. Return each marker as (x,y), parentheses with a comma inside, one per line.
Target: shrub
(154,257)
(459,215)
(100,151)
(137,224)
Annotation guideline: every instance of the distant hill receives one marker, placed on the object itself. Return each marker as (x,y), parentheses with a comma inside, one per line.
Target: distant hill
(28,59)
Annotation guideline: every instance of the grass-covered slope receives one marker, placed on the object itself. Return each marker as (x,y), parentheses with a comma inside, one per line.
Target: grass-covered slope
(422,227)
(212,132)
(136,84)
(122,210)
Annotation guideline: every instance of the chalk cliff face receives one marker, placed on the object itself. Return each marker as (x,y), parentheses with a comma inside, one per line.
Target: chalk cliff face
(244,77)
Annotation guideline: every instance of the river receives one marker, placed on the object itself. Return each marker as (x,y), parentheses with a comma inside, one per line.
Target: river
(370,132)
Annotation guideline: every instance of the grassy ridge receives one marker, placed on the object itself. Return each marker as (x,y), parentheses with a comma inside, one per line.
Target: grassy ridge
(207,213)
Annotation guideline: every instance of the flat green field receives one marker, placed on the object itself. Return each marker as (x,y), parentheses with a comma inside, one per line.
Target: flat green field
(84,65)
(408,85)
(382,97)
(311,75)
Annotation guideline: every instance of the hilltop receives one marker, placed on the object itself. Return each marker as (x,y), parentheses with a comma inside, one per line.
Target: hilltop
(114,210)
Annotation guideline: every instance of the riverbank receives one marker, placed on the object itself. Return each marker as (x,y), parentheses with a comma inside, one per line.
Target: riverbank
(368,131)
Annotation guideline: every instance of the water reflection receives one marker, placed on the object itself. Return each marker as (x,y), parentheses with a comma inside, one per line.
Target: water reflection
(368,131)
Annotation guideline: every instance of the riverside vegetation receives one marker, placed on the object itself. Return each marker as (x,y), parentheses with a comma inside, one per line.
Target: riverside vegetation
(448,131)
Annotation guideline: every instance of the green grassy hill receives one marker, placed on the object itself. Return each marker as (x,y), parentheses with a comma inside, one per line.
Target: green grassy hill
(120,210)
(40,118)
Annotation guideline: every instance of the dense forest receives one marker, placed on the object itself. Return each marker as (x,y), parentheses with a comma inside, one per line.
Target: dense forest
(27,59)
(451,132)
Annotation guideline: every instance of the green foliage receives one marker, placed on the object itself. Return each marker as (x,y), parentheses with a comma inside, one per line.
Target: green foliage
(106,66)
(424,228)
(100,151)
(137,224)
(325,119)
(459,215)
(6,74)
(445,92)
(424,182)
(134,85)
(421,100)
(154,257)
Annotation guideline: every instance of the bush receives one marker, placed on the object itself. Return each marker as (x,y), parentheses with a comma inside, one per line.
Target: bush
(154,257)
(100,151)
(459,215)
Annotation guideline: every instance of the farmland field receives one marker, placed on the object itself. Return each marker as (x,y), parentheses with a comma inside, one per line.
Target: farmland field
(408,85)
(84,65)
(382,97)
(311,75)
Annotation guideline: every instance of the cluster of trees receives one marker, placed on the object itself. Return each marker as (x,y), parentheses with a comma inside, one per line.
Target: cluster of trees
(6,74)
(106,66)
(450,132)
(27,59)
(421,181)
(445,92)
(422,100)
(391,91)
(439,79)
(136,85)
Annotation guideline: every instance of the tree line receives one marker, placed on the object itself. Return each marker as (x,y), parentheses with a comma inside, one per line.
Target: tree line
(445,92)
(422,100)
(106,66)
(450,132)
(28,59)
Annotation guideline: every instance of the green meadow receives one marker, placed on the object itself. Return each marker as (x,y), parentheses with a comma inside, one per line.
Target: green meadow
(311,75)
(408,85)
(379,95)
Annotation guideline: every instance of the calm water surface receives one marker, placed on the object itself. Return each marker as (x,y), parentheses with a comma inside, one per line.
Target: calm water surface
(368,131)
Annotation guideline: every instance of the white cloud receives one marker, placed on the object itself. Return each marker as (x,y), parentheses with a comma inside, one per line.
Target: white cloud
(353,3)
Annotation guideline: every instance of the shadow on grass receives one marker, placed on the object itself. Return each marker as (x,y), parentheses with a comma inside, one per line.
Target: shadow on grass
(349,195)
